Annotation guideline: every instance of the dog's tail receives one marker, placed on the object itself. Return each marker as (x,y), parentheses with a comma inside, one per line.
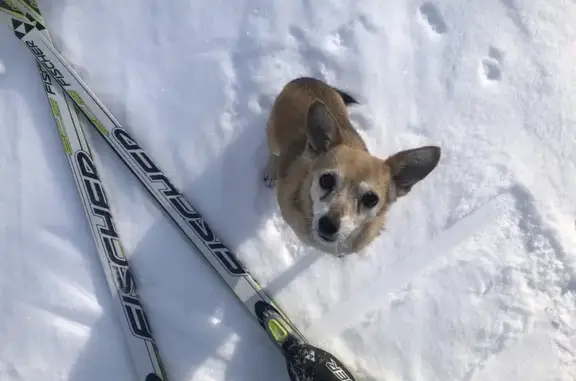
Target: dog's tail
(347,98)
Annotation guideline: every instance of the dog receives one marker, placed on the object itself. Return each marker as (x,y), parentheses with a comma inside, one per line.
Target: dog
(330,190)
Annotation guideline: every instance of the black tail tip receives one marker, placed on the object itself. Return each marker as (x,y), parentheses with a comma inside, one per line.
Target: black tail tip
(347,98)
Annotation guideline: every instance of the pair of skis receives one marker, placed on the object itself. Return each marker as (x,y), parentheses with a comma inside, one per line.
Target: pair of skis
(69,96)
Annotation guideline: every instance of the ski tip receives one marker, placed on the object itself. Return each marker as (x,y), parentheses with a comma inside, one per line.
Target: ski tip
(153,377)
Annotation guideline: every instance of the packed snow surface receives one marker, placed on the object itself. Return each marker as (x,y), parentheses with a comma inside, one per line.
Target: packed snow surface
(474,278)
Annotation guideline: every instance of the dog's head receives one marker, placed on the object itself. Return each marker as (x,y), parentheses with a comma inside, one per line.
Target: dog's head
(350,189)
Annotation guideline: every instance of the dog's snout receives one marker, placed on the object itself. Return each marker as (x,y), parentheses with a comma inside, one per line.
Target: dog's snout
(328,226)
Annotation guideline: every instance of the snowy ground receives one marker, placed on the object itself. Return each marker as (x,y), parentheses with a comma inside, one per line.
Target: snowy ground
(475,278)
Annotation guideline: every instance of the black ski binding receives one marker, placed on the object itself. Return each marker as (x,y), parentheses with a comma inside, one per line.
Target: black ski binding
(305,362)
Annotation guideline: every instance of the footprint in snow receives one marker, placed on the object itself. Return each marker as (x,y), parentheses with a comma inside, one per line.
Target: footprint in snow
(432,16)
(491,65)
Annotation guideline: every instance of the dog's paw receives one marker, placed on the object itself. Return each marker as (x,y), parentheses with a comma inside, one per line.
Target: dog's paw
(269,180)
(270,173)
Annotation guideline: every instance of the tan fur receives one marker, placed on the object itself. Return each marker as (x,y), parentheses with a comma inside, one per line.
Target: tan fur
(294,169)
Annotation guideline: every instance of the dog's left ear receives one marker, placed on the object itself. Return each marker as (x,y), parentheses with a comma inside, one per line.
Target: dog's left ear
(321,128)
(411,166)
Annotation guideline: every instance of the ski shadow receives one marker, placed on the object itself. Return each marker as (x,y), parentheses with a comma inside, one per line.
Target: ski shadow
(197,321)
(104,355)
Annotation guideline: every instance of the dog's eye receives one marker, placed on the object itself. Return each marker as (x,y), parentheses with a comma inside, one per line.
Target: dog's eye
(369,199)
(327,181)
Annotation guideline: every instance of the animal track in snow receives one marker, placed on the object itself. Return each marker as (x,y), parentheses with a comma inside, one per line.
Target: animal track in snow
(8,369)
(367,23)
(491,65)
(430,13)
(491,70)
(495,54)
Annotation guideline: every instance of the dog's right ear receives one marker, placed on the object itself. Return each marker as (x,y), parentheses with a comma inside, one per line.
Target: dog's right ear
(410,166)
(322,129)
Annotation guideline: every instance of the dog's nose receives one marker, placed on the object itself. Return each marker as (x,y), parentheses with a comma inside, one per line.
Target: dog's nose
(328,226)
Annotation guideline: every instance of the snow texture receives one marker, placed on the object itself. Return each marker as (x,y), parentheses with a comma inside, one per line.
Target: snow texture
(475,276)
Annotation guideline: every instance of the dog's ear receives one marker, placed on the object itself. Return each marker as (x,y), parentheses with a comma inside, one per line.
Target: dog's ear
(411,166)
(322,130)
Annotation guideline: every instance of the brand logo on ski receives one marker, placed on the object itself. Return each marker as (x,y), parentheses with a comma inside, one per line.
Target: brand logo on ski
(337,370)
(21,29)
(110,242)
(38,25)
(46,62)
(46,78)
(186,211)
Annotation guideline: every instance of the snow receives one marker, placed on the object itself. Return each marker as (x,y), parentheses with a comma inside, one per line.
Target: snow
(475,276)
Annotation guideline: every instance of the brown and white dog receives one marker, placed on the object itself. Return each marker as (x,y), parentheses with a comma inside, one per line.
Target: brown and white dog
(331,191)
